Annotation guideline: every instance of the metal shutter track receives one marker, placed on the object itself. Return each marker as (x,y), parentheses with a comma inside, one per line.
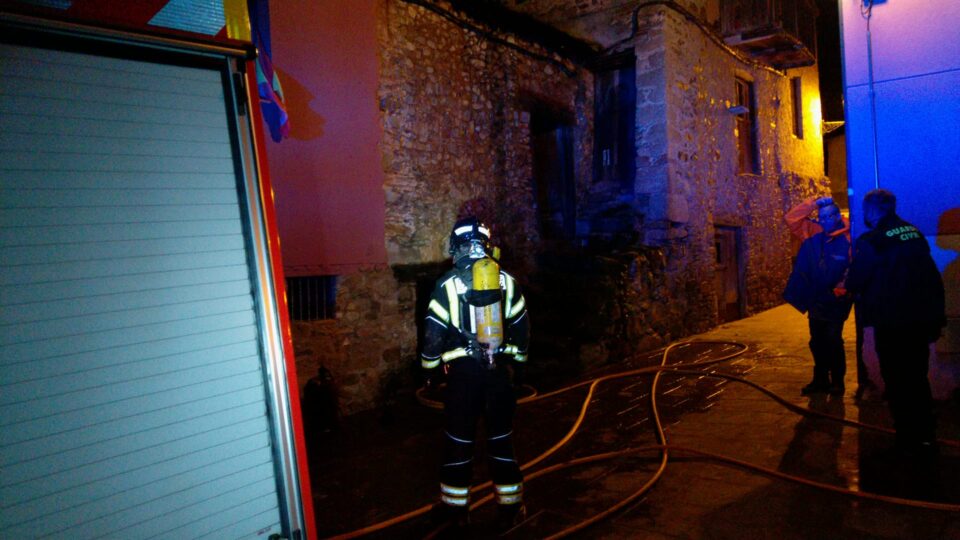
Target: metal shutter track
(132,400)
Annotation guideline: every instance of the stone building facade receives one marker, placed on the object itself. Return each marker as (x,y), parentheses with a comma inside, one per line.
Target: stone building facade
(688,182)
(467,110)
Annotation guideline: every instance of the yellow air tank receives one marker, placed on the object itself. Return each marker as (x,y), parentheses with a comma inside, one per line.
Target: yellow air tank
(486,279)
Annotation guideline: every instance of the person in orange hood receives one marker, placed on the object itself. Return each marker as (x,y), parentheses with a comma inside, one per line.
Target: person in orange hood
(815,288)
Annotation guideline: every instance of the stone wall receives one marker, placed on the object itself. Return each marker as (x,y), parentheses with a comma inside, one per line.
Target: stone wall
(687,179)
(366,345)
(456,109)
(702,158)
(459,102)
(597,308)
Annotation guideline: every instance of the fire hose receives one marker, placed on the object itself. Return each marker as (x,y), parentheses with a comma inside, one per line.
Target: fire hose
(662,446)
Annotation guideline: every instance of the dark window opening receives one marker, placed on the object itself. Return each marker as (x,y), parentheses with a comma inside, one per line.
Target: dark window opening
(615,110)
(796,99)
(746,128)
(312,298)
(551,136)
(421,278)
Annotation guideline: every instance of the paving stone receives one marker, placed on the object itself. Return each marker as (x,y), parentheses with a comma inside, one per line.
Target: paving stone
(372,472)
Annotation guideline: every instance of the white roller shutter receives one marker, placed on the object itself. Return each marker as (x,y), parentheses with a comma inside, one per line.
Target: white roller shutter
(132,385)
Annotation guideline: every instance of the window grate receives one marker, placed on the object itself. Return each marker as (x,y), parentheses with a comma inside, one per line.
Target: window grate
(312,298)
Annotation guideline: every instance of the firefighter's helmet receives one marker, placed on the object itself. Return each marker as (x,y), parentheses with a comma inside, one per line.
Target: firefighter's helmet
(469,238)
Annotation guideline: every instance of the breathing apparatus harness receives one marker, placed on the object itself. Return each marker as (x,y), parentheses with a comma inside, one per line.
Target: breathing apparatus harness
(471,252)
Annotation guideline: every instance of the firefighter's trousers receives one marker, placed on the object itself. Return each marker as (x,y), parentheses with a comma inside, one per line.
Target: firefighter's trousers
(474,391)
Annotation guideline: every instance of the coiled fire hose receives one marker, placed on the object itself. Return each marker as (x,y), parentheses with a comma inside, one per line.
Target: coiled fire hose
(661,446)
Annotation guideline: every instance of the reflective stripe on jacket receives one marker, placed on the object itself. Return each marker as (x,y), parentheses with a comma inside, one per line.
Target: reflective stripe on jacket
(450,325)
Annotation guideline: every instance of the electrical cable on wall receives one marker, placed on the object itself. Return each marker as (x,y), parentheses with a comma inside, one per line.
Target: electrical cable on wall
(662,446)
(707,31)
(866,11)
(670,4)
(490,35)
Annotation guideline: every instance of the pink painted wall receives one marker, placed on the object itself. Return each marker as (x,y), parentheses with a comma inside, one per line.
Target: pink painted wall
(327,176)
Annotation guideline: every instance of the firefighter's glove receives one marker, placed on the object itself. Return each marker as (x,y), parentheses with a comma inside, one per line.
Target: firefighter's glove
(824,201)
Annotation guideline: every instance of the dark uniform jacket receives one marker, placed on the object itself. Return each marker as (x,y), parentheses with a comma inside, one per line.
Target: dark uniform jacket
(450,328)
(821,264)
(894,279)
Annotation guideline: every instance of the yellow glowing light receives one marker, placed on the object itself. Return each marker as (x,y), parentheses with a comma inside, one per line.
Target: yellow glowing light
(815,114)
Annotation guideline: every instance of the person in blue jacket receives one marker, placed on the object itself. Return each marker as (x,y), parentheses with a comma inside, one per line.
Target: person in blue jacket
(815,287)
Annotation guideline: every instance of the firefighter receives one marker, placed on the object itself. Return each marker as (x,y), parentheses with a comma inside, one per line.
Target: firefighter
(476,333)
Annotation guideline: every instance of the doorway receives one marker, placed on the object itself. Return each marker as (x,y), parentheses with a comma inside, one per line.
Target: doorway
(551,137)
(729,274)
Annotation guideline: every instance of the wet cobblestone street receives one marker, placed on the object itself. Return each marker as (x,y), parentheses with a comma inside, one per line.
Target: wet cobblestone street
(370,470)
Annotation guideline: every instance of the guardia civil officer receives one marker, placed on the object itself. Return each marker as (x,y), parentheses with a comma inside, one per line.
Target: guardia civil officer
(477,332)
(894,280)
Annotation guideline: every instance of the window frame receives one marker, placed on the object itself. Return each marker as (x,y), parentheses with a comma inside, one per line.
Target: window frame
(796,101)
(312,298)
(614,131)
(745,127)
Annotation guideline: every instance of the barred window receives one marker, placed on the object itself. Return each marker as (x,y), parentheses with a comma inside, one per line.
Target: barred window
(311,298)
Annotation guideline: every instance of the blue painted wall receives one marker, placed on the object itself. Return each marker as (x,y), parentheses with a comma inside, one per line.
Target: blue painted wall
(915,131)
(916,71)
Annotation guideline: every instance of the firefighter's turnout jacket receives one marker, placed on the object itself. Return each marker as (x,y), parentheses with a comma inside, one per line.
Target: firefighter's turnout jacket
(476,389)
(450,327)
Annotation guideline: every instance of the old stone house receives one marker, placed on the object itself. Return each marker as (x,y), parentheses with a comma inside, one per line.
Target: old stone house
(634,159)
